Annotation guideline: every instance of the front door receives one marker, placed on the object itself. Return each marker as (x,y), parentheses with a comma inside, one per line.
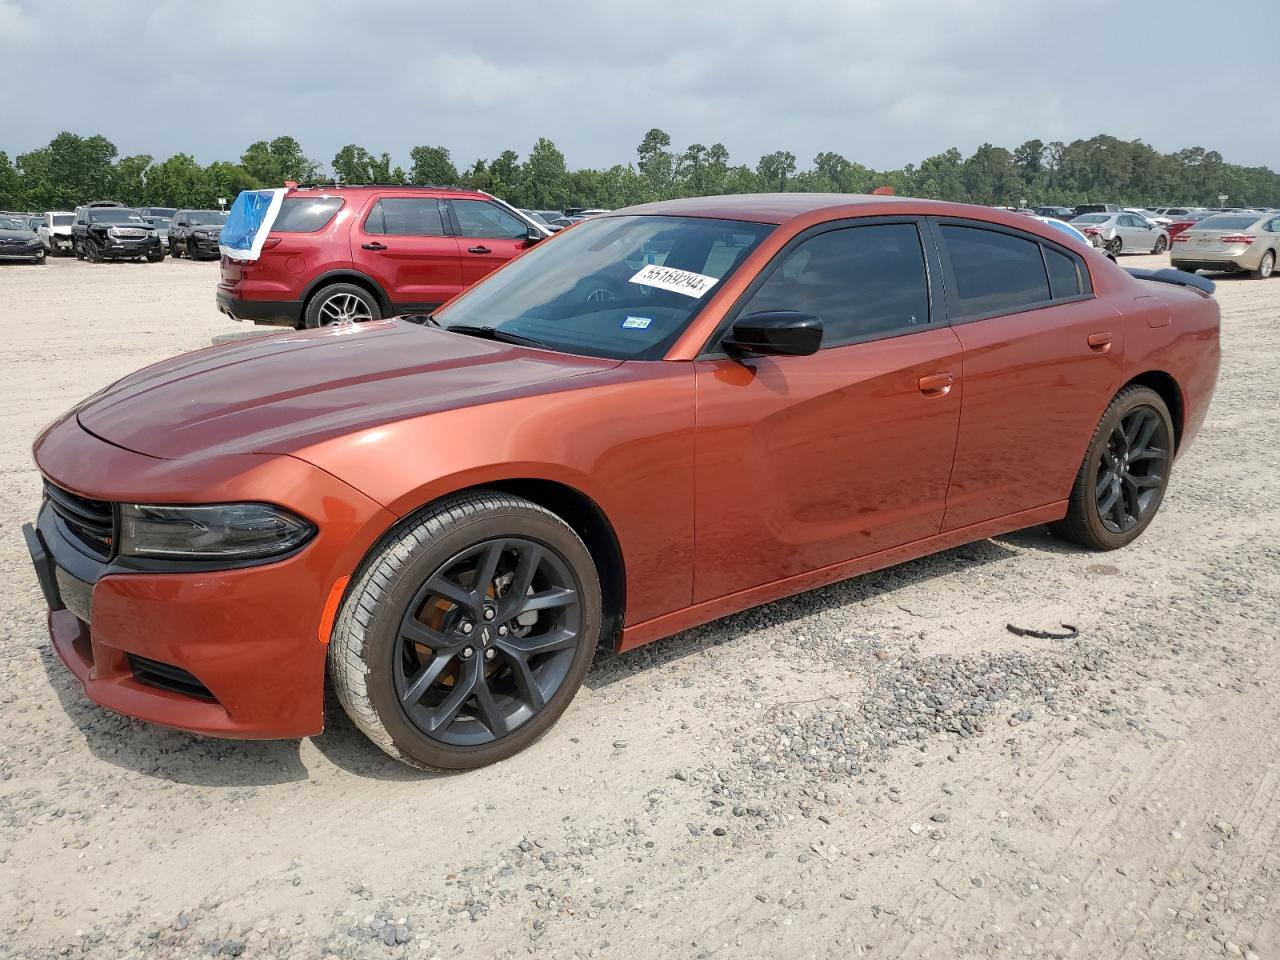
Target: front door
(488,237)
(402,243)
(804,462)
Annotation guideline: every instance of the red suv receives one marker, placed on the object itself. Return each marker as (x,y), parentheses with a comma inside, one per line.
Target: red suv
(350,254)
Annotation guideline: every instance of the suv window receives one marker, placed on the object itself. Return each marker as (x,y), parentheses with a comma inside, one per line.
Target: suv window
(305,214)
(862,282)
(994,272)
(406,217)
(479,218)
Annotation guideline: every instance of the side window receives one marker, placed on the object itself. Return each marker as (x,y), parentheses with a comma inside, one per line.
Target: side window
(406,217)
(305,214)
(861,282)
(484,220)
(1274,226)
(1064,274)
(994,272)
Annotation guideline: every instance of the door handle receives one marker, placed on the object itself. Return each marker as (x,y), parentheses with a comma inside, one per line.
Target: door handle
(375,245)
(1100,342)
(936,384)
(479,250)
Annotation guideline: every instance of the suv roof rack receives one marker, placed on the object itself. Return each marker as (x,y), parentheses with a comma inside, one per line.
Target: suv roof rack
(417,186)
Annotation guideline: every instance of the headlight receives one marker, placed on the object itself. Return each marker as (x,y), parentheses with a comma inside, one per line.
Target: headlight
(228,531)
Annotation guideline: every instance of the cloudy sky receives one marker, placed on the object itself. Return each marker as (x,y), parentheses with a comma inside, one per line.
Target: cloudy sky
(884,82)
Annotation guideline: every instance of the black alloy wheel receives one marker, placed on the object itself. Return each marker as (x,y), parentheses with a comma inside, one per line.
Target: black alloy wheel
(1125,472)
(1132,469)
(487,641)
(467,631)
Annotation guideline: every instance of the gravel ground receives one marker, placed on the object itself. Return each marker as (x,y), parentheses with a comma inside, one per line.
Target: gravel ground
(877,768)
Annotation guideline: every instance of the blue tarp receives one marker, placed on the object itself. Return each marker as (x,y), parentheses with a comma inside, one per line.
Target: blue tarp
(248,223)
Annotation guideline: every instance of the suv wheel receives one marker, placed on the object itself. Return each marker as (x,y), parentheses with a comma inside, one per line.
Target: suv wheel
(92,253)
(467,631)
(1124,475)
(341,303)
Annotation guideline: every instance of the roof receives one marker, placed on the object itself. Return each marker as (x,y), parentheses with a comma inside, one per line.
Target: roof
(773,207)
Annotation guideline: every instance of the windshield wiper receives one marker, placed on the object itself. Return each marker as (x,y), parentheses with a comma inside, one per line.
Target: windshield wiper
(491,333)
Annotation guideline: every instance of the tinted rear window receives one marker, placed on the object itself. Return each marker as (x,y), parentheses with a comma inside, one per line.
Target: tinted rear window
(1064,274)
(1228,222)
(305,214)
(994,272)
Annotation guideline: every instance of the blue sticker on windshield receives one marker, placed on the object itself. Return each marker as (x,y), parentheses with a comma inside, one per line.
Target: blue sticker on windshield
(637,323)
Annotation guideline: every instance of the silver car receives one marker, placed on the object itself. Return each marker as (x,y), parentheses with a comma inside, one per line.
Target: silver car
(1122,232)
(1234,242)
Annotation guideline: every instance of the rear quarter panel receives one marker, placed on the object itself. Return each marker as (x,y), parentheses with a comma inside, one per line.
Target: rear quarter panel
(1175,330)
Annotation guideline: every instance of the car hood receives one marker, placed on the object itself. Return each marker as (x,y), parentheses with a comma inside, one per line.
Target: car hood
(17,235)
(278,394)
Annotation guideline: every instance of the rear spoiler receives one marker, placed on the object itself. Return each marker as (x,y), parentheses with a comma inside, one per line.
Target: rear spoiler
(1180,277)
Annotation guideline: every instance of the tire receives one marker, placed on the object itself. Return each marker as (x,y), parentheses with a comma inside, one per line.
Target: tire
(175,249)
(1133,446)
(1266,266)
(340,303)
(78,251)
(1162,244)
(190,251)
(1114,246)
(155,257)
(377,657)
(91,252)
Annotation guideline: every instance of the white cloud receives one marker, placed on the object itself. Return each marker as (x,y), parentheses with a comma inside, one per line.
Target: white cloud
(882,82)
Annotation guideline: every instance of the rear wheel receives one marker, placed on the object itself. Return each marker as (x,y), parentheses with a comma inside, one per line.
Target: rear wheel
(341,303)
(1266,266)
(1162,244)
(467,632)
(1124,475)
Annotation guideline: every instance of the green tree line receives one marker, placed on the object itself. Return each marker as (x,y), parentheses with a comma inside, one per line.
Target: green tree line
(72,169)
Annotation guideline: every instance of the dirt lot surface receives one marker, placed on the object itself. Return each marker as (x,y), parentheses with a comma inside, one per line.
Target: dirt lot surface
(877,768)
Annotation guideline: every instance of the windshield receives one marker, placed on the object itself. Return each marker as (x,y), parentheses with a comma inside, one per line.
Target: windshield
(13,223)
(618,287)
(63,219)
(115,215)
(1092,218)
(207,218)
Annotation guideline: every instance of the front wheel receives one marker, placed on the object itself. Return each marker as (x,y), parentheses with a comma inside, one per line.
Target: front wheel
(92,252)
(1124,475)
(1266,266)
(467,632)
(1114,245)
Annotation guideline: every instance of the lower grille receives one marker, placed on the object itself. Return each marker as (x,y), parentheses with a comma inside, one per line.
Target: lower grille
(91,522)
(167,677)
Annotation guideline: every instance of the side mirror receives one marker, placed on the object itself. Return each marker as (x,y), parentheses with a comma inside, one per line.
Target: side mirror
(533,234)
(782,333)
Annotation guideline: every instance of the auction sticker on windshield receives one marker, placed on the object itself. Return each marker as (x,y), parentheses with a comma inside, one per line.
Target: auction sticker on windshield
(677,281)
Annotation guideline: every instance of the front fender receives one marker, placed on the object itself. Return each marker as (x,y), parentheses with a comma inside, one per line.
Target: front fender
(625,440)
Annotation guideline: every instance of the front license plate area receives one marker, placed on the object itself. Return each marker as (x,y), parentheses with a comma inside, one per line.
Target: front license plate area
(77,596)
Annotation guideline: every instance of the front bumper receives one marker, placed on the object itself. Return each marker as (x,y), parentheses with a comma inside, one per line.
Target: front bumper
(277,312)
(204,246)
(249,637)
(29,255)
(124,249)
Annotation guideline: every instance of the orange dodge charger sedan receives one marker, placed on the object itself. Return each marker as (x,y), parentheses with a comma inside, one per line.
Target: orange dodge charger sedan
(660,416)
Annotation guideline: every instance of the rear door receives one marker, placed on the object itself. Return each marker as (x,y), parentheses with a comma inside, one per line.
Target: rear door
(402,242)
(804,462)
(488,236)
(1042,358)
